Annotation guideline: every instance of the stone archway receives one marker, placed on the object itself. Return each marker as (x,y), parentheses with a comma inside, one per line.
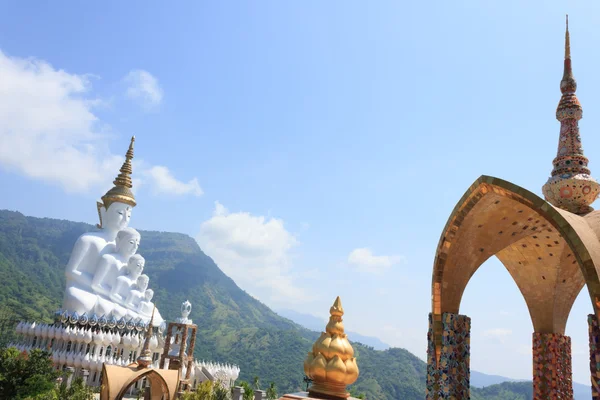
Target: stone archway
(550,254)
(117,380)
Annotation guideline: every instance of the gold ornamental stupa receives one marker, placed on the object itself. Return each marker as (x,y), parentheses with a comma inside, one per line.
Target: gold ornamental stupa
(331,364)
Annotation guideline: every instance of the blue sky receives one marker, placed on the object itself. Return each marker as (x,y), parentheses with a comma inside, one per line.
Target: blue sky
(312,148)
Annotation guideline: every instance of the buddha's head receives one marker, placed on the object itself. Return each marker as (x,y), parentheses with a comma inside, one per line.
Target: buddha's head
(142,282)
(148,294)
(128,241)
(135,266)
(116,217)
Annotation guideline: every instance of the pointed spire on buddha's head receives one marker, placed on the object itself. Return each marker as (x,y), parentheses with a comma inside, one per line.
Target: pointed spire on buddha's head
(570,186)
(331,363)
(121,192)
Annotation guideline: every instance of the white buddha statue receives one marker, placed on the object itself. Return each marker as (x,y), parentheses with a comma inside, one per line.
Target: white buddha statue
(109,266)
(121,289)
(114,213)
(137,293)
(146,305)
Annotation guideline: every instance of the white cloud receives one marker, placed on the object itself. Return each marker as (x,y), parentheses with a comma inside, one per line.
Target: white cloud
(364,260)
(498,333)
(255,251)
(164,182)
(49,131)
(143,87)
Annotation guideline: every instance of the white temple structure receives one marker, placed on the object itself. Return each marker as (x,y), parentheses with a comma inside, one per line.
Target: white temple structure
(107,304)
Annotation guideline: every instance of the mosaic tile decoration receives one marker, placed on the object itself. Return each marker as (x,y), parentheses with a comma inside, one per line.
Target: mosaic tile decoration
(450,378)
(552,375)
(431,386)
(594,330)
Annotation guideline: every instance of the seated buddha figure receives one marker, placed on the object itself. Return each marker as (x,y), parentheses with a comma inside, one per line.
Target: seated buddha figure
(109,266)
(137,293)
(121,289)
(115,213)
(146,304)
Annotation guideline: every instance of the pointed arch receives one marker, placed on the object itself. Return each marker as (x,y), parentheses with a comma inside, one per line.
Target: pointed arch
(550,253)
(117,380)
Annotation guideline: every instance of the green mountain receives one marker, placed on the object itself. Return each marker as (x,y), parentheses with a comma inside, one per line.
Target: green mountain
(232,326)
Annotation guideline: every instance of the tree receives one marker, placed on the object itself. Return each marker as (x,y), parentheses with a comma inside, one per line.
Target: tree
(256,383)
(77,391)
(272,392)
(208,390)
(220,392)
(248,391)
(25,375)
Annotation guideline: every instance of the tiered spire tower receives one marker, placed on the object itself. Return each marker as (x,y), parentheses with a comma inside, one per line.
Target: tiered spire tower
(570,187)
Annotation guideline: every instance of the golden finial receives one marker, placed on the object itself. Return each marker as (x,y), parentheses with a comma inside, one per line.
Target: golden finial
(121,192)
(331,363)
(145,358)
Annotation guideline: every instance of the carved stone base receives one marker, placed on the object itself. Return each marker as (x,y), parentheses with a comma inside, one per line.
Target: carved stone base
(552,376)
(449,377)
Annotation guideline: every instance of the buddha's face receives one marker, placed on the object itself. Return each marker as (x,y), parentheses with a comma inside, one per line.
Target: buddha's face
(116,217)
(128,244)
(136,266)
(142,283)
(148,294)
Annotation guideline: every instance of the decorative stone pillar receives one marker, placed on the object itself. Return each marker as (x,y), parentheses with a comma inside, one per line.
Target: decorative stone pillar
(260,395)
(238,393)
(594,330)
(69,372)
(449,377)
(85,374)
(552,375)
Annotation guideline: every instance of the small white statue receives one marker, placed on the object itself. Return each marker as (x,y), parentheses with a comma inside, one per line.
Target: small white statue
(110,265)
(186,308)
(137,293)
(146,305)
(120,290)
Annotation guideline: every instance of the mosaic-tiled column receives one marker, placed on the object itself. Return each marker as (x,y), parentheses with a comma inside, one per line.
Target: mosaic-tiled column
(552,376)
(449,377)
(594,330)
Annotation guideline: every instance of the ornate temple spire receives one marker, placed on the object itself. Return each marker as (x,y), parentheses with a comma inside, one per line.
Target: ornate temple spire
(570,186)
(145,358)
(331,363)
(121,192)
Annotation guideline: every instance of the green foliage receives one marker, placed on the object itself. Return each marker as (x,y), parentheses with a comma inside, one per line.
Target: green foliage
(77,391)
(272,391)
(25,375)
(504,391)
(208,390)
(248,391)
(355,394)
